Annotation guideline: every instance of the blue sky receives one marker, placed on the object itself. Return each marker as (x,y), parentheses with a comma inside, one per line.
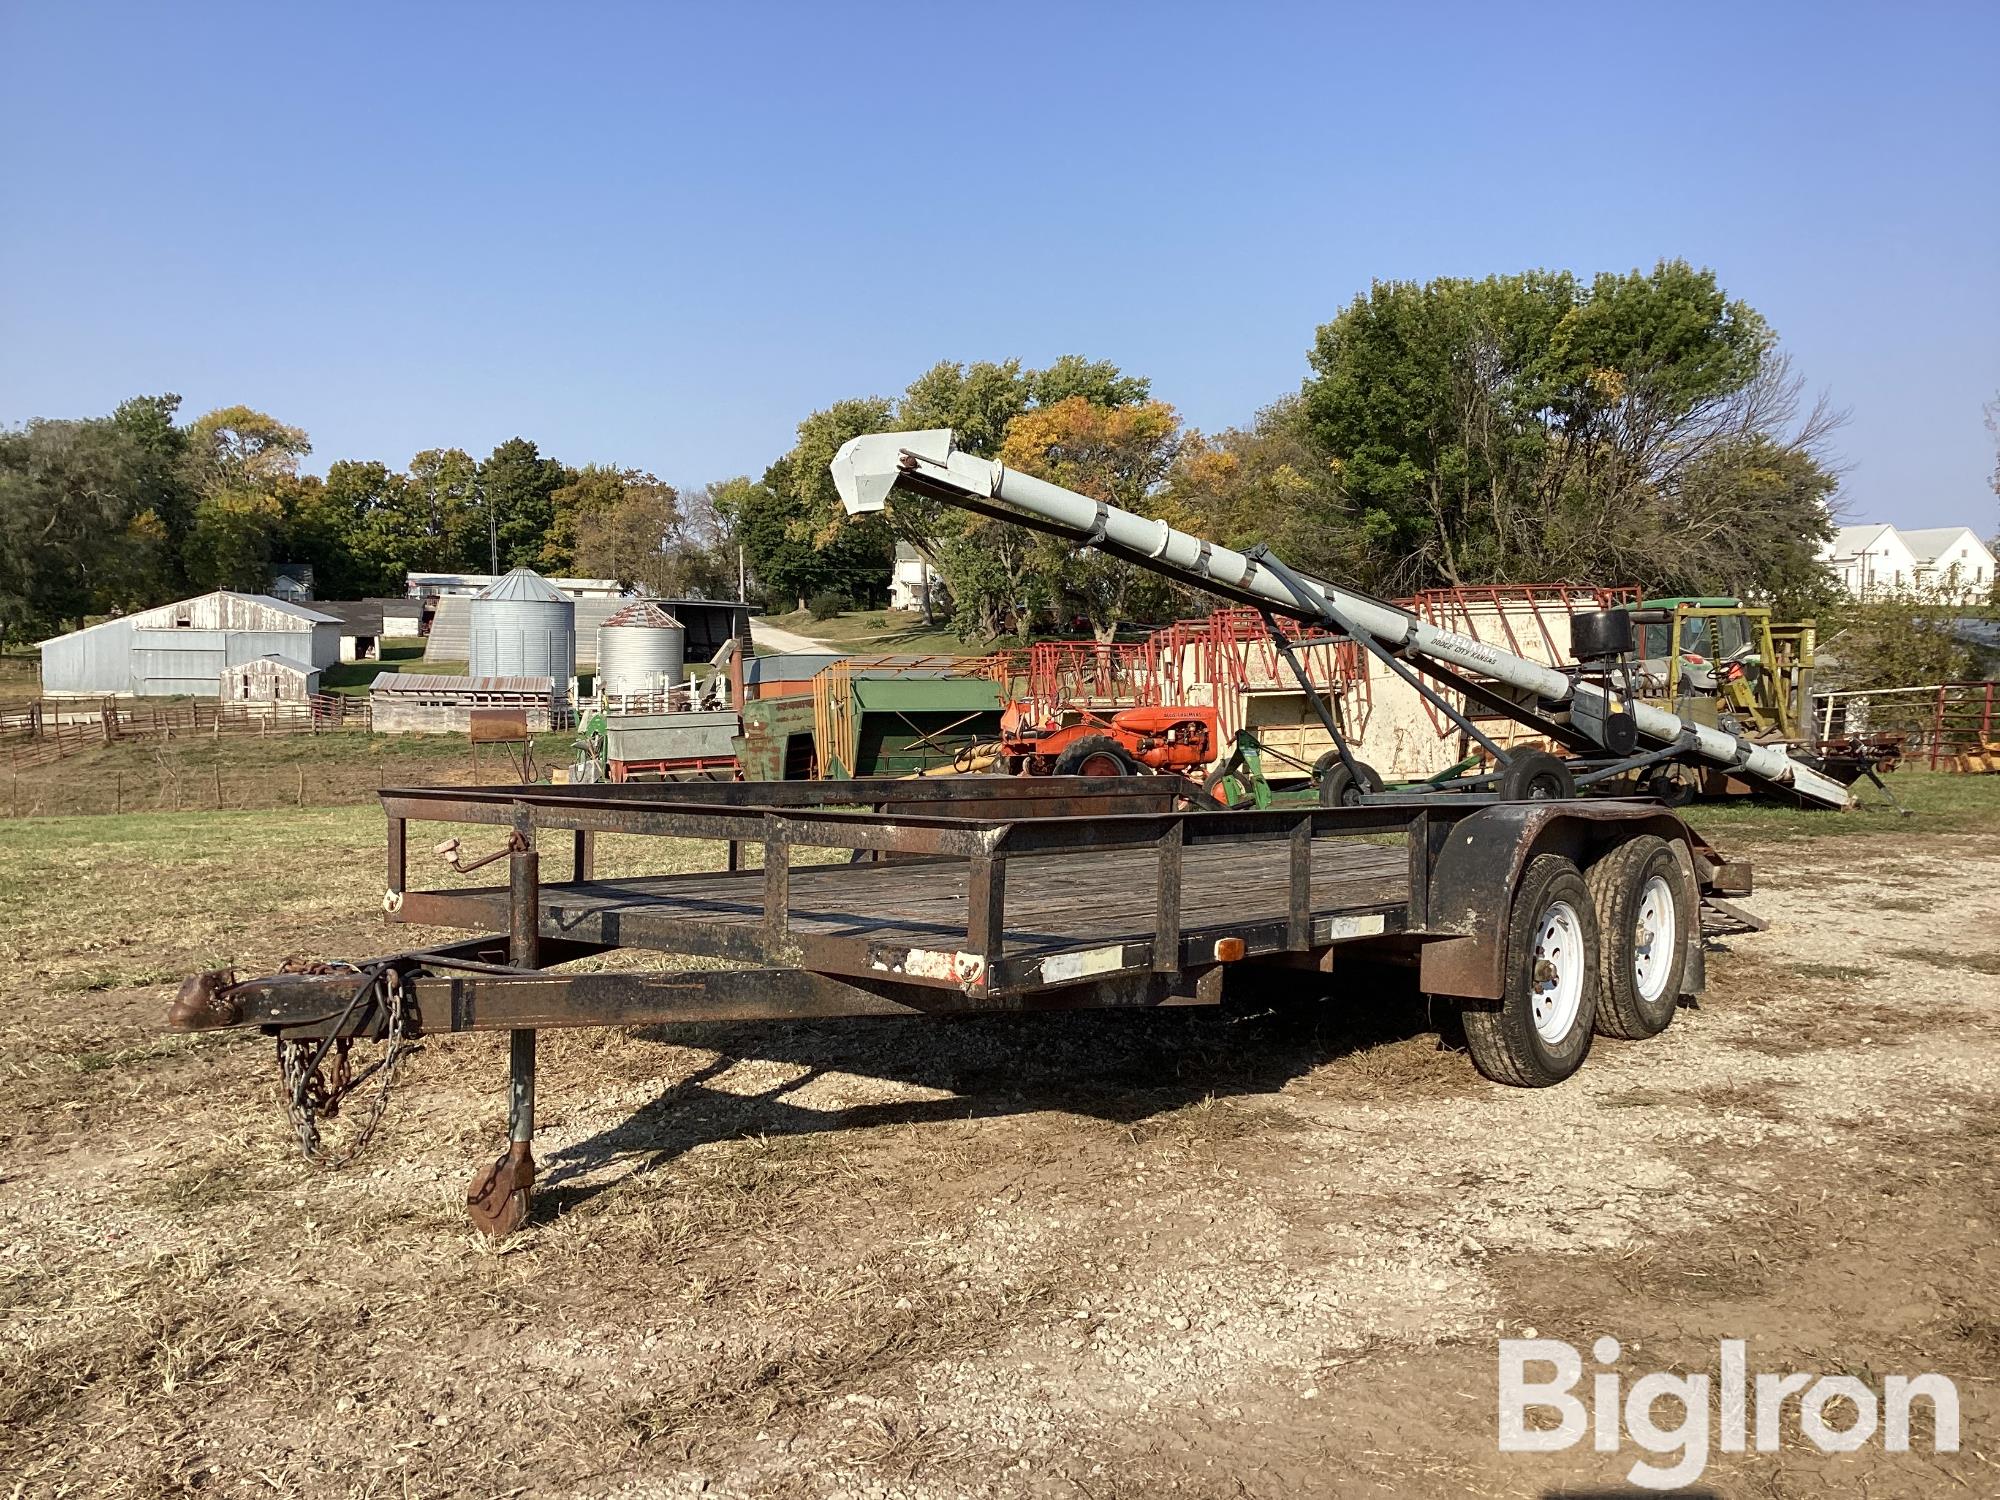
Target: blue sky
(659,235)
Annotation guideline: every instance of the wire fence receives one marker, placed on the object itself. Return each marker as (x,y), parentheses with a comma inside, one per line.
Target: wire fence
(40,731)
(193,789)
(1948,726)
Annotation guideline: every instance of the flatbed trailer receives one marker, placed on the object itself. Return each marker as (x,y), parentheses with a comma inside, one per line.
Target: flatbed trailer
(1545,920)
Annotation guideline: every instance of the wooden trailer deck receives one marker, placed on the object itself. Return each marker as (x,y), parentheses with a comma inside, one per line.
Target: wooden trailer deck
(997,889)
(1097,908)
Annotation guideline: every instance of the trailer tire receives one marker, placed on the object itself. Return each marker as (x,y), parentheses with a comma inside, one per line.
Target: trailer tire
(1538,1033)
(1095,750)
(1536,776)
(1340,788)
(1645,903)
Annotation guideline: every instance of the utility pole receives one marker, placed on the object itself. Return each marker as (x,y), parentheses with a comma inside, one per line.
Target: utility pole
(742,587)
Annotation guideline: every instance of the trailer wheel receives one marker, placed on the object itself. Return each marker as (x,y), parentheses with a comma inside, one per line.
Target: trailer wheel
(1095,755)
(1644,908)
(1536,775)
(1538,1032)
(1340,788)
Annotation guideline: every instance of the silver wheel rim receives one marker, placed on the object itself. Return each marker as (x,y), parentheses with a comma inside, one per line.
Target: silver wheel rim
(1557,991)
(1654,934)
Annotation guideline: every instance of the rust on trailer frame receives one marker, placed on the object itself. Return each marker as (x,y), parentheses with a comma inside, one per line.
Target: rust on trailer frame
(986,895)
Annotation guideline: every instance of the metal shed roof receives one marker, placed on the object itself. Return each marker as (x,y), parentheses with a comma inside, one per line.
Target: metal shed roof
(358,616)
(447,682)
(643,614)
(163,614)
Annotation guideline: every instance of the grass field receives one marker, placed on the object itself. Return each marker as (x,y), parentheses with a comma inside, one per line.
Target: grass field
(352,678)
(20,673)
(288,770)
(1936,801)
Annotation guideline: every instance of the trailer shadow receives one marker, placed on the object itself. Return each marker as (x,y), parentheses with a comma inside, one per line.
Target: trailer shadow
(1122,1067)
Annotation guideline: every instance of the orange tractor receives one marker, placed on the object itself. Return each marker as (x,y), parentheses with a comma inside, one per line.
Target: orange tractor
(1119,742)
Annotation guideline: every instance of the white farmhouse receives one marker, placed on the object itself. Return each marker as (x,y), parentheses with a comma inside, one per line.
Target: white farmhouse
(1952,559)
(1880,559)
(912,580)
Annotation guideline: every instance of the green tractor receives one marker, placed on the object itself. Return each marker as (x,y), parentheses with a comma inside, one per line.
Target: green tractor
(1723,663)
(1728,664)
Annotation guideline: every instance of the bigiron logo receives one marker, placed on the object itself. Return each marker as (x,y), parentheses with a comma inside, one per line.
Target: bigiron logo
(1835,1413)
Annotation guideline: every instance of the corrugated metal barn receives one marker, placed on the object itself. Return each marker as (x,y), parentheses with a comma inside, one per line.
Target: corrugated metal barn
(183,648)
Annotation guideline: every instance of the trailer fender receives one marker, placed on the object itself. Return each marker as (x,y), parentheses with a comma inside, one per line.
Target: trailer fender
(1479,864)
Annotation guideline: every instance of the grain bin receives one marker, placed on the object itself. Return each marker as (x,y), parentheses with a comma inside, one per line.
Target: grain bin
(640,649)
(523,626)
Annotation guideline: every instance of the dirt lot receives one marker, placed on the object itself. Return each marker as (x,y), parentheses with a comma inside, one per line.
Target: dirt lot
(1262,1252)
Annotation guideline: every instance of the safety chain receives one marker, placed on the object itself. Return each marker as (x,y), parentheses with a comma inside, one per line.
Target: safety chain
(309,1095)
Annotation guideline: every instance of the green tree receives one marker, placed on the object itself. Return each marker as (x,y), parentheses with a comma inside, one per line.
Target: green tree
(352,528)
(161,488)
(67,493)
(233,540)
(1098,381)
(518,485)
(788,563)
(440,521)
(975,401)
(1121,455)
(798,539)
(622,524)
(1532,427)
(237,460)
(1895,638)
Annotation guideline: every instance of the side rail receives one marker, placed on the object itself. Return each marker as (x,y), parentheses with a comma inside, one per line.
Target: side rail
(974,957)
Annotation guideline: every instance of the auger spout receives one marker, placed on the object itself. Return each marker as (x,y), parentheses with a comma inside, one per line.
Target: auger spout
(927,463)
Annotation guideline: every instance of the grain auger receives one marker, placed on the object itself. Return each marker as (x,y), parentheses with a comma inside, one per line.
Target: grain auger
(1588,708)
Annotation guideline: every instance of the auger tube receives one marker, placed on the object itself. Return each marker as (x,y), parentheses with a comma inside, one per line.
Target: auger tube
(867,468)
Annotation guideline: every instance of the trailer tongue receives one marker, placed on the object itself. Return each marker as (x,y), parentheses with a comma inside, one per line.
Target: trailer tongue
(1590,712)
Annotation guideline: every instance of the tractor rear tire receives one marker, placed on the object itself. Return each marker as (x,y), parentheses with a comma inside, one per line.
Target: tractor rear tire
(1535,776)
(1224,787)
(1095,755)
(1645,903)
(1340,788)
(1538,1033)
